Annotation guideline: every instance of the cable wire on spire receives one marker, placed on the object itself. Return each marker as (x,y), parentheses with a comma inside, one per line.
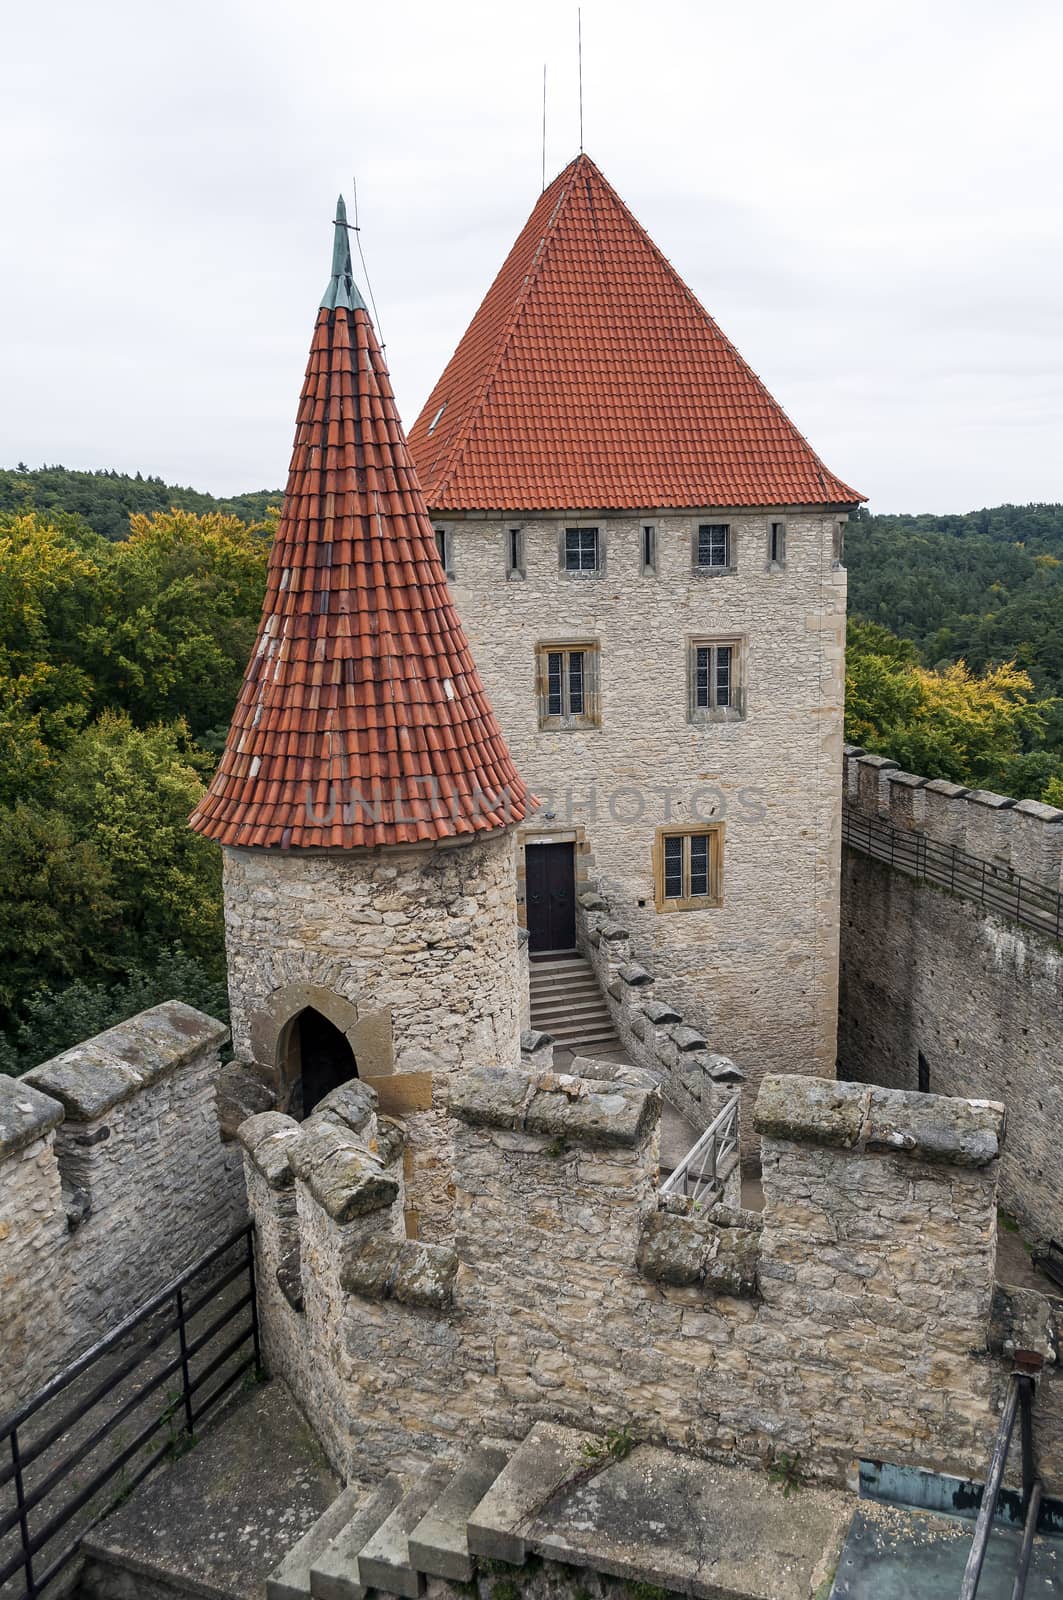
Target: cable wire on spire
(365,270)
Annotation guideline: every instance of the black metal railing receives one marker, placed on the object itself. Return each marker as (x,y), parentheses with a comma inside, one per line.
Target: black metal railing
(1019,1403)
(75,1423)
(997,888)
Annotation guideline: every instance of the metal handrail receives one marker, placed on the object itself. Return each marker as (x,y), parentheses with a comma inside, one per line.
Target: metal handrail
(1019,1403)
(997,888)
(697,1175)
(179,1311)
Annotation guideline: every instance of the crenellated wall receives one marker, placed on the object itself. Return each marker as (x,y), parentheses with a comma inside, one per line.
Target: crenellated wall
(855,1317)
(113,1179)
(697,1079)
(933,981)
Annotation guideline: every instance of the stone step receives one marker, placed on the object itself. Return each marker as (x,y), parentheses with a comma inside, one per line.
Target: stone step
(334,1573)
(558,964)
(291,1579)
(439,1545)
(582,1011)
(384,1561)
(549,1457)
(583,1038)
(566,986)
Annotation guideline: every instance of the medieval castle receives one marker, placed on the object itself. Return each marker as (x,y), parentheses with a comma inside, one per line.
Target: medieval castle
(532,816)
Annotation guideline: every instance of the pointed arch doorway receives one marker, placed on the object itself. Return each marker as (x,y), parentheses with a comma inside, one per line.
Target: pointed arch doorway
(319,1059)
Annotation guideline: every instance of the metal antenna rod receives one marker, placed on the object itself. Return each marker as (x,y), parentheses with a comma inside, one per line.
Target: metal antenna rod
(544,124)
(579,53)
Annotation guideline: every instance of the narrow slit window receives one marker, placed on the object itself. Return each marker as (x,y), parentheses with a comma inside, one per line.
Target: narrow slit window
(777,544)
(714,546)
(649,548)
(688,868)
(515,553)
(443,547)
(568,693)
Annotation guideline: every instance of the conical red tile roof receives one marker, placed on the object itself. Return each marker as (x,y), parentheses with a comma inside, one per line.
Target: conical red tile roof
(362,719)
(591,378)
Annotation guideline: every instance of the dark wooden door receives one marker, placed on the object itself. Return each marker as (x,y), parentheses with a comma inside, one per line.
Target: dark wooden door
(550,884)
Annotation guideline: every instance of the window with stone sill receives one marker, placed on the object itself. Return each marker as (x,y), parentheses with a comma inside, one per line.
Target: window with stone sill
(582,553)
(716,679)
(688,868)
(567,680)
(713,550)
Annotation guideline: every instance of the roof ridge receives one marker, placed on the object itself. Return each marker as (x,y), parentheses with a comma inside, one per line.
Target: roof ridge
(464,433)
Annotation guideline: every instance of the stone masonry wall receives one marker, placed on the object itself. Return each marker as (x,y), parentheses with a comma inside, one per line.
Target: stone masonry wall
(420,945)
(113,1179)
(926,972)
(856,1317)
(757,975)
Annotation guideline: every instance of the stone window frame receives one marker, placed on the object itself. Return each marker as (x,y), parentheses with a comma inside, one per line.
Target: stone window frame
(516,554)
(735,711)
(776,552)
(445,532)
(591,715)
(584,574)
(714,832)
(726,570)
(649,546)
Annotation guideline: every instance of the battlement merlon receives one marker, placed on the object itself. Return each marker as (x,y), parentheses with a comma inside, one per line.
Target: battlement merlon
(26,1115)
(555,1105)
(860,1117)
(93,1077)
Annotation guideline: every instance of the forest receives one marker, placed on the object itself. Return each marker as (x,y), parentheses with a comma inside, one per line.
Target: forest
(128,608)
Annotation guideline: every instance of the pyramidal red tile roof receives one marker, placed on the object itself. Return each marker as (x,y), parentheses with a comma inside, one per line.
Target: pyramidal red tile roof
(362,719)
(591,378)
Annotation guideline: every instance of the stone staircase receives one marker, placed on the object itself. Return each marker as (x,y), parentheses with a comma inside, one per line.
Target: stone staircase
(568,1004)
(643,1515)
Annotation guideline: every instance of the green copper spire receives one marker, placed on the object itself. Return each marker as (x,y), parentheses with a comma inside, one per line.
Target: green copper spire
(342,289)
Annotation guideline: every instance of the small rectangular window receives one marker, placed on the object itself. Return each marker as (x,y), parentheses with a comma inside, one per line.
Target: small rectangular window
(445,549)
(924,1074)
(515,553)
(715,680)
(777,545)
(838,551)
(649,549)
(713,547)
(580,551)
(688,868)
(568,685)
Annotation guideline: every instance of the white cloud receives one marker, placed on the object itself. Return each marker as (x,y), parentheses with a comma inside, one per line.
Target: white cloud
(866,196)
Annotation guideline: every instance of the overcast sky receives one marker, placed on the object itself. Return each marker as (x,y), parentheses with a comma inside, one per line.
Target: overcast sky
(867,195)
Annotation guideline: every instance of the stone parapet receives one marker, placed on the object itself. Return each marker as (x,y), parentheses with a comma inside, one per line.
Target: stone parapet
(1021,837)
(698,1080)
(113,1179)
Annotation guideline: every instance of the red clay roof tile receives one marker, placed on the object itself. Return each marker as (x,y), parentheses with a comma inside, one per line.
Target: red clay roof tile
(591,378)
(362,720)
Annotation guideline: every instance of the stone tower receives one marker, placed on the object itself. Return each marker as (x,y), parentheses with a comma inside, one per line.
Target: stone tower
(366,800)
(646,556)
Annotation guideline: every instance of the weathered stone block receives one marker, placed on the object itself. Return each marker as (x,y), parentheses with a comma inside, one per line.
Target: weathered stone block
(25,1114)
(635,975)
(353,1103)
(424,1275)
(491,1097)
(687,1038)
(964,1133)
(617,1116)
(241,1093)
(674,1249)
(659,1014)
(811,1111)
(269,1138)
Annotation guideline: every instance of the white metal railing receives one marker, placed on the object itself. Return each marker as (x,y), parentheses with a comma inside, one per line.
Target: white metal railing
(698,1174)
